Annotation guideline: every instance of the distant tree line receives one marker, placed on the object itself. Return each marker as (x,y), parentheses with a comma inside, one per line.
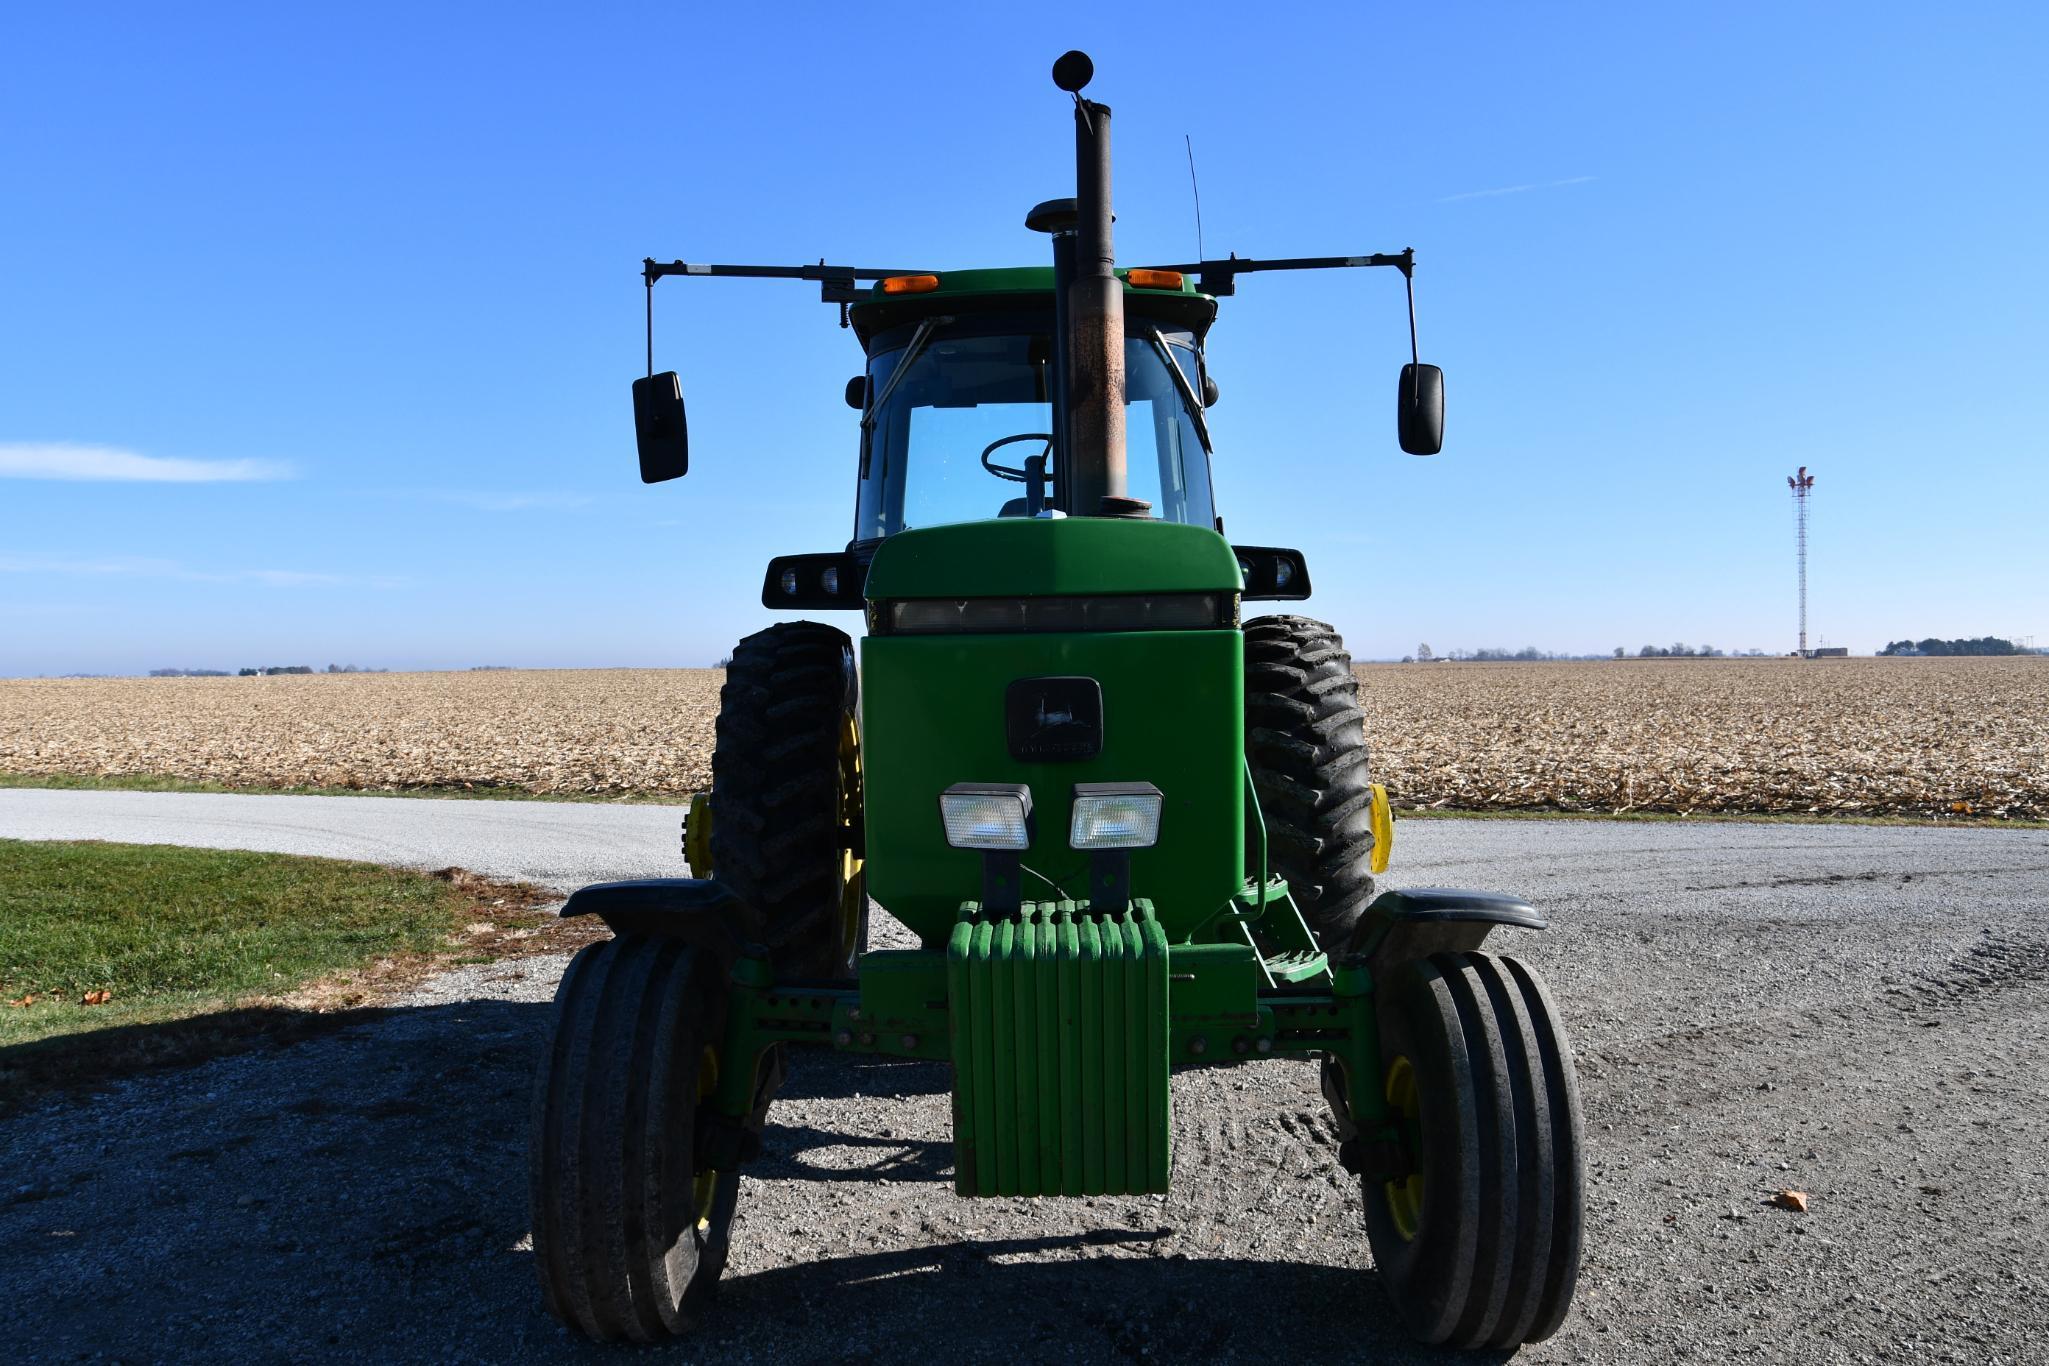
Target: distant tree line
(188,673)
(1983,645)
(1677,650)
(303,669)
(1496,654)
(1530,653)
(1492,654)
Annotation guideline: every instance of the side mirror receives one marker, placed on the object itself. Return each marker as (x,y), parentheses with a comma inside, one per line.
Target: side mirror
(1209,392)
(1419,410)
(659,428)
(857,393)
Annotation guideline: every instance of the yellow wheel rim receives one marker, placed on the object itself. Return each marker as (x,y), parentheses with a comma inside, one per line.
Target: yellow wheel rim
(1381,818)
(705,1189)
(1405,1197)
(697,836)
(853,885)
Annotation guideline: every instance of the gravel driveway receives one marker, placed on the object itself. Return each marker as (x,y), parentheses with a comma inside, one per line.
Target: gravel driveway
(1858,1013)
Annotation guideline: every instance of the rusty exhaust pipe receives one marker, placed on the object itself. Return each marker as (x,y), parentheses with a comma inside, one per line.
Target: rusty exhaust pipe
(1095,317)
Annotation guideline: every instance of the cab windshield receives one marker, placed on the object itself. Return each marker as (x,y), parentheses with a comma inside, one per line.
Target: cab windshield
(970,405)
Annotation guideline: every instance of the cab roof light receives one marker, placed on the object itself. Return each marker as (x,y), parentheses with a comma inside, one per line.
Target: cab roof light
(1142,278)
(911,284)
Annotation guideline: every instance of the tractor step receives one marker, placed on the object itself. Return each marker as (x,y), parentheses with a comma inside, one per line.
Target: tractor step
(1296,965)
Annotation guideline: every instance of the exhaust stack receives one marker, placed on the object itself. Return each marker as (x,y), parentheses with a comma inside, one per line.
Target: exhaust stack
(1094,423)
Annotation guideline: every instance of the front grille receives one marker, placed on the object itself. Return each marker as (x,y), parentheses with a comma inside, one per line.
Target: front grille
(1003,616)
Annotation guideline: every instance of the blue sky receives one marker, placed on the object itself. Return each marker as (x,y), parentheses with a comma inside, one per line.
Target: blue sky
(354,289)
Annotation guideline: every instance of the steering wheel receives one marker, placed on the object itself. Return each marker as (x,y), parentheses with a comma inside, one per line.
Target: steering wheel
(1006,471)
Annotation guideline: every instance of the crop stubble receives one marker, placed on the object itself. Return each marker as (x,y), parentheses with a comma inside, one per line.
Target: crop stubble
(1939,737)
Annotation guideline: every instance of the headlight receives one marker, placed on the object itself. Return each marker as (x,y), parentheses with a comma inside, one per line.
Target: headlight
(1115,816)
(987,815)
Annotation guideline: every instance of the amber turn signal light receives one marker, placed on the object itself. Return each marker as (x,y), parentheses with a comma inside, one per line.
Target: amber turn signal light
(910,284)
(1153,279)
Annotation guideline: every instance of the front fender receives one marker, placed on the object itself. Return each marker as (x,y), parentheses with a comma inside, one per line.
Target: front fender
(699,911)
(1420,921)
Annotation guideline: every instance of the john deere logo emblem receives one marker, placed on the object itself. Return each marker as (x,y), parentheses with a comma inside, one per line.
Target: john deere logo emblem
(1047,720)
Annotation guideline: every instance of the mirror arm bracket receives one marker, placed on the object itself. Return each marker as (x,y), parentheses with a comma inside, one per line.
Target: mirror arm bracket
(1219,279)
(1409,285)
(836,284)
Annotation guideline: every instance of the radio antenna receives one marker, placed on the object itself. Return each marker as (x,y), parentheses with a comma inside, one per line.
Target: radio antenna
(1197,190)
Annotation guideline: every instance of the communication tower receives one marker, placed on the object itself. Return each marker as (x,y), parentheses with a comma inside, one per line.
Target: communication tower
(1802,485)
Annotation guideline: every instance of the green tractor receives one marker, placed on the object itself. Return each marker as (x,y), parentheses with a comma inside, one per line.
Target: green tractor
(1129,831)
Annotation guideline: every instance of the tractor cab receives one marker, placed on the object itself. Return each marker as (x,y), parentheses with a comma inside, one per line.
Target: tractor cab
(960,395)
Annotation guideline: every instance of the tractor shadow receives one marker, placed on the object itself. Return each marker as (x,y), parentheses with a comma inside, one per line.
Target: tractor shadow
(787,1153)
(1087,1297)
(817,1074)
(358,1187)
(797,1151)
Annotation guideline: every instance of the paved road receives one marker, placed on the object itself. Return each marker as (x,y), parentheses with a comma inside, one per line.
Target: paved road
(1858,1013)
(562,845)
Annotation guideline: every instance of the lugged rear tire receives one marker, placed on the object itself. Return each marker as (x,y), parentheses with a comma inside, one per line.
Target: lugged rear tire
(786,796)
(1305,737)
(1479,1246)
(629,1237)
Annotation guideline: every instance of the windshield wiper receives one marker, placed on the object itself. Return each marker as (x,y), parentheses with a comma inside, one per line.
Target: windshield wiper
(903,367)
(1181,382)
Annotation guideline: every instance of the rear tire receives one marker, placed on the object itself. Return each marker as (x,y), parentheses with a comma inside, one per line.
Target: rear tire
(629,1236)
(1305,738)
(786,796)
(1479,1246)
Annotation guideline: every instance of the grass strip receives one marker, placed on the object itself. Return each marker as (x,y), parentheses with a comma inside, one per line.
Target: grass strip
(115,957)
(153,782)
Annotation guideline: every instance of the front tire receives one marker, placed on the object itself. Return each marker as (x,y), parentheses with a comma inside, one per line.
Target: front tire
(1478,1243)
(1305,740)
(629,1235)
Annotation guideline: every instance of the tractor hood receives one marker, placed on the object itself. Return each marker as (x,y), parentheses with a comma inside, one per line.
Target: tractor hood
(1052,653)
(1040,557)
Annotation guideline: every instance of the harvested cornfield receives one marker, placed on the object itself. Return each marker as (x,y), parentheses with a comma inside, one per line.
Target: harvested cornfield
(571,731)
(1852,737)
(1935,737)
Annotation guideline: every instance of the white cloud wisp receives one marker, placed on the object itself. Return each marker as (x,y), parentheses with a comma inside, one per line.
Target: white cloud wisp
(1517,189)
(147,568)
(102,464)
